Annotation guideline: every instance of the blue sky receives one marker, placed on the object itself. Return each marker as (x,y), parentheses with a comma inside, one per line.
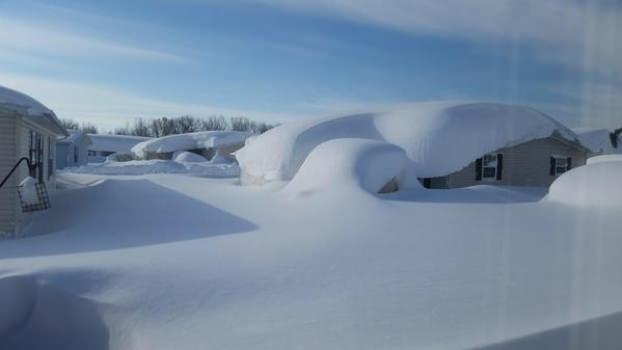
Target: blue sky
(107,62)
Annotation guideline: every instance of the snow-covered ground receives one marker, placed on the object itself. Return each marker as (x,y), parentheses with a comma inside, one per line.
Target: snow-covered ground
(170,261)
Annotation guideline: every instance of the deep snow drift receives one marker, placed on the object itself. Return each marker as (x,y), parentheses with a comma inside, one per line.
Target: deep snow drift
(190,141)
(438,138)
(179,262)
(597,185)
(370,165)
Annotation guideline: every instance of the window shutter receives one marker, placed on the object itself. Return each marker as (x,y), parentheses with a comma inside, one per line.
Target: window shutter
(478,169)
(569,162)
(552,168)
(499,166)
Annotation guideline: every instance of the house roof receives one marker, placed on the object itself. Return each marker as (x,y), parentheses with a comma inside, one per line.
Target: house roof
(194,140)
(30,109)
(114,143)
(597,140)
(75,136)
(439,137)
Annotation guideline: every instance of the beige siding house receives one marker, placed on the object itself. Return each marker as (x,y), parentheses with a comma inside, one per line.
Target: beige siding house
(535,163)
(27,129)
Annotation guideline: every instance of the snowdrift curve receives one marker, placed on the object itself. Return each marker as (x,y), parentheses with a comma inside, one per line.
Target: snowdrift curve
(597,185)
(373,166)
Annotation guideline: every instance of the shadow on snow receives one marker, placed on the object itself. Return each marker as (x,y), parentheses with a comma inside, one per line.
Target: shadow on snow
(120,214)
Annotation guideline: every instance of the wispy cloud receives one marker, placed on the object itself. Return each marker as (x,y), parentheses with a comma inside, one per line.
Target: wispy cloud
(580,34)
(63,32)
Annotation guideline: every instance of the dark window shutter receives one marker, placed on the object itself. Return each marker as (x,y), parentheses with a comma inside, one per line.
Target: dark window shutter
(552,168)
(499,166)
(478,169)
(569,161)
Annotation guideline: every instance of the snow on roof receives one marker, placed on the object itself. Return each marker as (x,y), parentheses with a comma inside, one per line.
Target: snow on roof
(195,140)
(30,109)
(114,143)
(438,137)
(75,136)
(597,140)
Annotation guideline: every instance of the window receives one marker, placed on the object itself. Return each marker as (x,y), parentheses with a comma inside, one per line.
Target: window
(489,166)
(559,165)
(106,153)
(92,153)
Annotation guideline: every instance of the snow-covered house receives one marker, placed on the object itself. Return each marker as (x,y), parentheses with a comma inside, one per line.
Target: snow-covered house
(73,150)
(447,144)
(27,129)
(208,144)
(600,141)
(103,146)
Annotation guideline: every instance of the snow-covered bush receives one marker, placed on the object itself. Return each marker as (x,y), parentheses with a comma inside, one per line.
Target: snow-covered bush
(597,185)
(373,166)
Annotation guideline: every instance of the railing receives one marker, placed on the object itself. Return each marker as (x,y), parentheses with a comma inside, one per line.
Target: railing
(23,159)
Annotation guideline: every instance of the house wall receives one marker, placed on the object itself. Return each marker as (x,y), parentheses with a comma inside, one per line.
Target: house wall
(526,164)
(64,153)
(8,195)
(16,137)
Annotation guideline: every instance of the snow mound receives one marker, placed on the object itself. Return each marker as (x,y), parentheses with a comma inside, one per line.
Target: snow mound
(439,137)
(373,166)
(17,101)
(597,185)
(185,156)
(195,140)
(605,158)
(156,166)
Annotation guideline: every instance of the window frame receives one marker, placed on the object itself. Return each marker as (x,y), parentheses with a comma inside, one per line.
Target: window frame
(486,164)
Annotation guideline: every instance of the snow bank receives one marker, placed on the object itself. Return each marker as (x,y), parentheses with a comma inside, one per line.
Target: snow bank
(156,166)
(366,164)
(439,137)
(597,185)
(195,140)
(185,156)
(605,158)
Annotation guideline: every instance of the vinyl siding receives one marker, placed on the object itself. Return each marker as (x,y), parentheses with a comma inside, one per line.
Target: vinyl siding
(526,164)
(8,195)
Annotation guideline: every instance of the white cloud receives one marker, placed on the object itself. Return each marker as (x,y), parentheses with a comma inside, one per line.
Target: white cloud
(40,38)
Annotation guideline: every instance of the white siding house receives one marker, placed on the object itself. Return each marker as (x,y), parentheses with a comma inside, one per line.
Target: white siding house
(72,151)
(27,129)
